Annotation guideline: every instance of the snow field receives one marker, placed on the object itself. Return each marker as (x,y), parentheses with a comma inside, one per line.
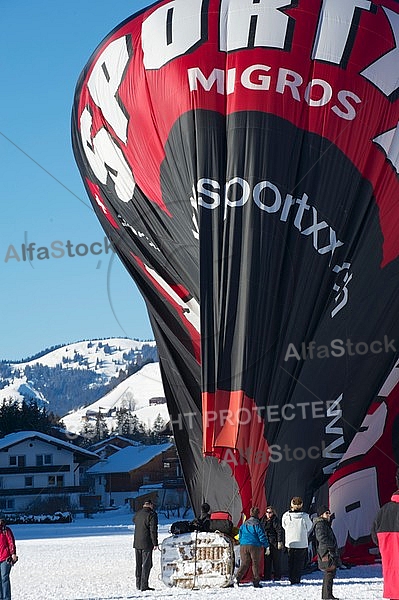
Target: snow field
(93,559)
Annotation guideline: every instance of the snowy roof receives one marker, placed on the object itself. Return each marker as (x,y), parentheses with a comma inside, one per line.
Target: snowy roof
(109,440)
(128,459)
(21,436)
(143,489)
(109,446)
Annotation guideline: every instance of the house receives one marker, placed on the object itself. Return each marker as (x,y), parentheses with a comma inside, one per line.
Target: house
(108,446)
(157,400)
(35,466)
(118,478)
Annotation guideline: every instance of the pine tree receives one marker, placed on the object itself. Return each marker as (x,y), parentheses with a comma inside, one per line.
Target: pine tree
(88,433)
(101,427)
(137,430)
(123,417)
(25,416)
(157,434)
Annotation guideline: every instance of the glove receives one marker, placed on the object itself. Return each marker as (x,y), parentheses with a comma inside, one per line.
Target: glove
(280,545)
(267,551)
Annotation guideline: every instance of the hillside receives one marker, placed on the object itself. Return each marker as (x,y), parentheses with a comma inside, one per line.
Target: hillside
(75,375)
(133,394)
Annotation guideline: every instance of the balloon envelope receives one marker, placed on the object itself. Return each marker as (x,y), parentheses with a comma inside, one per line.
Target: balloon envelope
(243,159)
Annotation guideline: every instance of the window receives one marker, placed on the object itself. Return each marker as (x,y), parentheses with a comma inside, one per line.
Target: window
(1,483)
(6,504)
(166,465)
(17,460)
(55,480)
(28,481)
(44,459)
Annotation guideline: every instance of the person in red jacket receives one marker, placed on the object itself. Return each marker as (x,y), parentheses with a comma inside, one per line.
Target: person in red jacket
(8,558)
(385,533)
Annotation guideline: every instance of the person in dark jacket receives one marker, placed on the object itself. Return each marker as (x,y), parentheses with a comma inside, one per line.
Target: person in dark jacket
(274,533)
(203,522)
(385,533)
(252,538)
(145,540)
(327,551)
(8,558)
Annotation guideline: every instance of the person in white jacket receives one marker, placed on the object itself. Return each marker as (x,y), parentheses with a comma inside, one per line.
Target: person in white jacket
(297,526)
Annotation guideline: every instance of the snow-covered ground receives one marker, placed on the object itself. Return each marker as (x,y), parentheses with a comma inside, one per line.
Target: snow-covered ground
(93,559)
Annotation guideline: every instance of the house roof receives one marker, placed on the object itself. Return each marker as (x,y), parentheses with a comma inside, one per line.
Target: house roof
(109,440)
(21,436)
(128,459)
(109,446)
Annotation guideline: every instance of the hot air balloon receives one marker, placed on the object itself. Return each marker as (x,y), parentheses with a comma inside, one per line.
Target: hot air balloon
(365,478)
(243,159)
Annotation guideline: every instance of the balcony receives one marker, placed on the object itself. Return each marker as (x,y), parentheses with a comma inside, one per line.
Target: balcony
(27,470)
(39,491)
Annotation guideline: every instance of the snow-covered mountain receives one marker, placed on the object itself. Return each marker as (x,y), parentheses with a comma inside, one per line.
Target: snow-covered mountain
(75,375)
(104,357)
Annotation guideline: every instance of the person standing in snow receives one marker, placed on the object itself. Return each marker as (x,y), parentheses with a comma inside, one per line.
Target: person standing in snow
(327,551)
(252,538)
(8,558)
(274,532)
(145,540)
(297,526)
(385,533)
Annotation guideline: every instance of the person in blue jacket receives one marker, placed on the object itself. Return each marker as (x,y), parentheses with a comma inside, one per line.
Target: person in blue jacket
(253,539)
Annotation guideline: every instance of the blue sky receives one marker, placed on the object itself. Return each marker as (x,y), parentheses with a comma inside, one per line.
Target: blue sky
(44,46)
